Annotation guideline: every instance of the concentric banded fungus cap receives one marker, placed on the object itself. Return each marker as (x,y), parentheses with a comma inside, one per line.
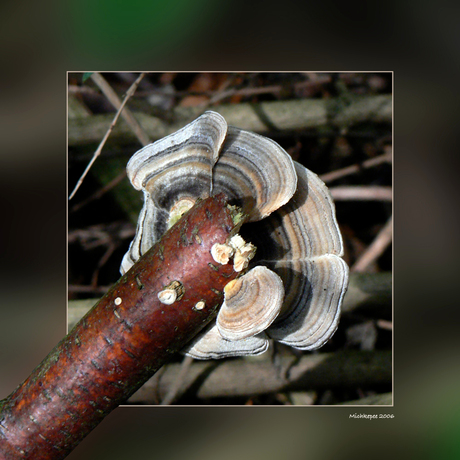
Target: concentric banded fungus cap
(302,243)
(211,345)
(206,157)
(157,166)
(252,302)
(255,173)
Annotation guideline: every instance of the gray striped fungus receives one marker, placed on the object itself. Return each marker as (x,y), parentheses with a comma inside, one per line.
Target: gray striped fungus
(295,284)
(252,302)
(204,158)
(301,242)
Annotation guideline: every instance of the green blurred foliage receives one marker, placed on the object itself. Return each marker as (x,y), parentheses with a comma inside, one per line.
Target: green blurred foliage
(136,28)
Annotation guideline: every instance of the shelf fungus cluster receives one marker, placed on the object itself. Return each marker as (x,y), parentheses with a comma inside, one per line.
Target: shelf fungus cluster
(292,277)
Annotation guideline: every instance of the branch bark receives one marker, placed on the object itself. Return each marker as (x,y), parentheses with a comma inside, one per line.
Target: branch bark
(125,338)
(384,399)
(260,117)
(368,293)
(243,377)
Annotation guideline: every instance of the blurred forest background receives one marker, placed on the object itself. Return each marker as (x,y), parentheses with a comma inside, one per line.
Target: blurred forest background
(339,125)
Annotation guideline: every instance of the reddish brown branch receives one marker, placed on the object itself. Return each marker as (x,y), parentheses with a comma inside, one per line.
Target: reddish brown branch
(122,341)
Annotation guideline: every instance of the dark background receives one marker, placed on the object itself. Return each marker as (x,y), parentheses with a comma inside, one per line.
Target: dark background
(419,41)
(101,225)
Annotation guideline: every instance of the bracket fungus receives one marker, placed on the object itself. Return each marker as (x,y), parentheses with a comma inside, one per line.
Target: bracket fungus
(292,278)
(252,302)
(301,242)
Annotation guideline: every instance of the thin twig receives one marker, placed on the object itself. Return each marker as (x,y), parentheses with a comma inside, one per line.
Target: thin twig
(362,193)
(339,173)
(99,235)
(222,91)
(376,249)
(243,92)
(274,89)
(113,98)
(101,192)
(385,324)
(174,390)
(109,251)
(78,288)
(129,93)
